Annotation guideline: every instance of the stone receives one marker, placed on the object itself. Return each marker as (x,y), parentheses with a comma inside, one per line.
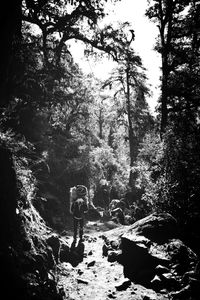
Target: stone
(64,252)
(195,286)
(105,249)
(146,297)
(156,283)
(91,264)
(183,293)
(139,264)
(80,280)
(161,269)
(152,254)
(111,296)
(54,242)
(156,227)
(123,285)
(113,256)
(170,281)
(114,245)
(80,272)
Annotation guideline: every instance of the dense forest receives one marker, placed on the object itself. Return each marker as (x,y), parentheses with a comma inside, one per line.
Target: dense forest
(61,127)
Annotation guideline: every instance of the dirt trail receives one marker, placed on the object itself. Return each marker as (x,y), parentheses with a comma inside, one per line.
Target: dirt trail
(95,278)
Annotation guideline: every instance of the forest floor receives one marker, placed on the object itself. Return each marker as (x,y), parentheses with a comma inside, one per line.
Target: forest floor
(94,278)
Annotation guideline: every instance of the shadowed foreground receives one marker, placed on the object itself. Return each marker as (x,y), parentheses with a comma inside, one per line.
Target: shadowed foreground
(97,278)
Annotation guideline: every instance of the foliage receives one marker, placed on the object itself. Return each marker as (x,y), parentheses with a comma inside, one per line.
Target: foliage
(128,81)
(181,189)
(24,231)
(106,164)
(148,171)
(179,46)
(66,20)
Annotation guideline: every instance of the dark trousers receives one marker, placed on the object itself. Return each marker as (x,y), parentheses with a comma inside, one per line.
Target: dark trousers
(78,223)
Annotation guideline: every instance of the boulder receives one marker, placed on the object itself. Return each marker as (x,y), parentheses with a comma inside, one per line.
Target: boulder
(59,246)
(54,242)
(152,254)
(155,227)
(64,251)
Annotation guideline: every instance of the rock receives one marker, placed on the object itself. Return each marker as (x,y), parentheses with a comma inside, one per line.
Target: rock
(181,256)
(114,245)
(152,254)
(105,249)
(80,272)
(156,227)
(139,264)
(113,256)
(156,283)
(191,278)
(51,276)
(103,237)
(128,220)
(161,269)
(79,280)
(89,239)
(91,264)
(111,296)
(123,285)
(64,251)
(182,294)
(170,281)
(146,297)
(54,242)
(195,286)
(111,224)
(90,252)
(50,257)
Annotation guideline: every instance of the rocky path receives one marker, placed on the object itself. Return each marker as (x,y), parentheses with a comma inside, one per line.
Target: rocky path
(94,278)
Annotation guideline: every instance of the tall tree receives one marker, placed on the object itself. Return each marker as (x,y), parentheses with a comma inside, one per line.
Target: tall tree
(66,20)
(167,14)
(58,21)
(181,160)
(128,82)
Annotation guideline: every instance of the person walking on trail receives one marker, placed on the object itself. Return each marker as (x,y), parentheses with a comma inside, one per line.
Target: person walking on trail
(78,208)
(117,209)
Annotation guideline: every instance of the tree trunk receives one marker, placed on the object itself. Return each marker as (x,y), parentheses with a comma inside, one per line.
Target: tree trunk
(165,22)
(164,112)
(132,139)
(100,124)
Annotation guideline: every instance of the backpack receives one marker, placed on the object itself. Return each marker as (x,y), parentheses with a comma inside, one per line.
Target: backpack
(79,207)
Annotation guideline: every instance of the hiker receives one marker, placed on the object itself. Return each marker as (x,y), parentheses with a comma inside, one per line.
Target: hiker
(105,192)
(116,210)
(78,208)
